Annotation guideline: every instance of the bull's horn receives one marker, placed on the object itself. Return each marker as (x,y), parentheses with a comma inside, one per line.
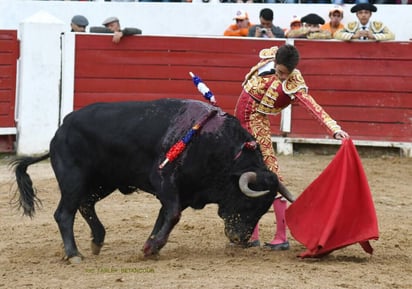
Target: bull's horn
(285,193)
(244,180)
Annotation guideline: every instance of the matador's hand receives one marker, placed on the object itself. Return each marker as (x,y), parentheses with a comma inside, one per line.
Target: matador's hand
(341,134)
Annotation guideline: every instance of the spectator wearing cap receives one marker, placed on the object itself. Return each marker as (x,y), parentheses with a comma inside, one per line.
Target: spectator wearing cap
(112,25)
(311,28)
(266,29)
(79,23)
(364,29)
(241,27)
(335,24)
(295,24)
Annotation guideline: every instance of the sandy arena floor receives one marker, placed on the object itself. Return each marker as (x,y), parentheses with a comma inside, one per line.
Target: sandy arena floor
(197,255)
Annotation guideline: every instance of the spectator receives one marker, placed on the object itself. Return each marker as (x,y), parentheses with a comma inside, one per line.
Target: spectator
(270,86)
(79,23)
(241,27)
(294,25)
(266,29)
(311,28)
(335,16)
(112,25)
(364,28)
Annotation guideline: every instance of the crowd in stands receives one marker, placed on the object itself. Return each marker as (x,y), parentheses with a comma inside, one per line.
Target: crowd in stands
(313,26)
(310,26)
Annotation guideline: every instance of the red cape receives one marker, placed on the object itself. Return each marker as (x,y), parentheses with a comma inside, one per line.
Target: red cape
(337,209)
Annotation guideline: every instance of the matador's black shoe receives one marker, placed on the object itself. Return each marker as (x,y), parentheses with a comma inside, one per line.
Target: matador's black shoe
(277,247)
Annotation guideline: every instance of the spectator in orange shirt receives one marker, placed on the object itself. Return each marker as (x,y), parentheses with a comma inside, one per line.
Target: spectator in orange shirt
(335,16)
(241,27)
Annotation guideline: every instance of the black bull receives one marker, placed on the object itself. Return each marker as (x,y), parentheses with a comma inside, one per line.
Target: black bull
(109,146)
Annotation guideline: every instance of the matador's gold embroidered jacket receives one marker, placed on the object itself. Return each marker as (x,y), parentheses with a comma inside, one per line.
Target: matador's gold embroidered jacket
(379,30)
(272,96)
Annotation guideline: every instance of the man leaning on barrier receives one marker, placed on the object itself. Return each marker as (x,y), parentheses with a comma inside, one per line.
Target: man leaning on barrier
(112,25)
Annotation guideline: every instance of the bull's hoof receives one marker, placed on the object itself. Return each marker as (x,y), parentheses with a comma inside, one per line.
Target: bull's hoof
(96,248)
(154,257)
(150,251)
(149,254)
(153,246)
(74,260)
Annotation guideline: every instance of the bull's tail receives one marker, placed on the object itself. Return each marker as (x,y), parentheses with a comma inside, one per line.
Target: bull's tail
(27,198)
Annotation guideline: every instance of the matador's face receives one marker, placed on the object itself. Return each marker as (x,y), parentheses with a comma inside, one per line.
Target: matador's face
(282,72)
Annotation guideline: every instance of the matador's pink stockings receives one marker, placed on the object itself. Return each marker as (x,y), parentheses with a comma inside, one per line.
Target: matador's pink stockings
(279,206)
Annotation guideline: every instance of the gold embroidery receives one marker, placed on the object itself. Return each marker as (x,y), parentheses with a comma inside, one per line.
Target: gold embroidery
(352,26)
(260,129)
(268,52)
(323,34)
(255,85)
(294,83)
(301,32)
(264,90)
(253,71)
(377,26)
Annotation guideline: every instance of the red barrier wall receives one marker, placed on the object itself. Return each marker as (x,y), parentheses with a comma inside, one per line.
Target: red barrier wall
(9,53)
(149,67)
(8,63)
(366,87)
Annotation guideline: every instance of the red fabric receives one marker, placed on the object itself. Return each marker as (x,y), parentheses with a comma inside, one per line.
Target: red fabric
(175,150)
(336,209)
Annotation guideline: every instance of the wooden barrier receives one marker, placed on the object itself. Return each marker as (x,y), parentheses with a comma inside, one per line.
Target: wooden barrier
(144,68)
(9,53)
(364,86)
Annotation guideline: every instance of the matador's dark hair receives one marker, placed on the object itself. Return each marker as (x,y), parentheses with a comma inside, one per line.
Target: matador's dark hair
(288,56)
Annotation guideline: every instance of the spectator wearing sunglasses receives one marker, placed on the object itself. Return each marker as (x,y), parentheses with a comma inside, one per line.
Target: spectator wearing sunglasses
(241,27)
